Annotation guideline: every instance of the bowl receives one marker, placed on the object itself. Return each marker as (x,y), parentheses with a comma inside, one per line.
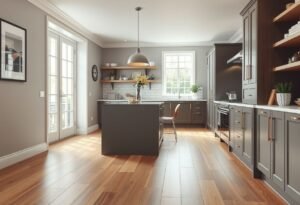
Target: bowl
(297,102)
(113,64)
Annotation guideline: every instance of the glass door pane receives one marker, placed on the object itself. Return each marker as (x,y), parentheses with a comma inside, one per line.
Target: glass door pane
(53,87)
(67,88)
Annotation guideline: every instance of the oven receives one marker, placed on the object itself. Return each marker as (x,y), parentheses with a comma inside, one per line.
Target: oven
(223,122)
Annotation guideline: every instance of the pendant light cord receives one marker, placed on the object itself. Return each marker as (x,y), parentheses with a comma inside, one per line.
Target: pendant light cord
(138,9)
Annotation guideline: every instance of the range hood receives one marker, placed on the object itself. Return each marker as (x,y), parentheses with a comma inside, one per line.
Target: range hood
(237,59)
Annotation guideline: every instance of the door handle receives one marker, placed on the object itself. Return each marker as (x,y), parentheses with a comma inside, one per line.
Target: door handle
(269,128)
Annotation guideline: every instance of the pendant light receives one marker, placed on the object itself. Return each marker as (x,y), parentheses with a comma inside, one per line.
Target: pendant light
(138,59)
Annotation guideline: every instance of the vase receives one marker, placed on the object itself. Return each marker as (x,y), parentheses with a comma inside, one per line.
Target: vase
(138,93)
(283,99)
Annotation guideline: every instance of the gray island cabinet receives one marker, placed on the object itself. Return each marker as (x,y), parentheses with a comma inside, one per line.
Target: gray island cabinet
(131,129)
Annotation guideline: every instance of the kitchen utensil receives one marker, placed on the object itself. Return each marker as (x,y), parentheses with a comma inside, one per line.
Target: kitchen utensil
(232,96)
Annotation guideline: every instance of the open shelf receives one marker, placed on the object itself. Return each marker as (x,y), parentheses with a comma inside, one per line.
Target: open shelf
(290,14)
(112,82)
(292,41)
(129,68)
(288,67)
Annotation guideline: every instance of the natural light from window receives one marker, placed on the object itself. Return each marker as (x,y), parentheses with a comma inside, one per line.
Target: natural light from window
(178,73)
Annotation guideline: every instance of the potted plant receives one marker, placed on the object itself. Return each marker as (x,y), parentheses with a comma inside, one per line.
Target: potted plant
(283,93)
(195,89)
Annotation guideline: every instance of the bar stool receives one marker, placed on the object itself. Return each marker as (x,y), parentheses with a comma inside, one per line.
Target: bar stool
(171,119)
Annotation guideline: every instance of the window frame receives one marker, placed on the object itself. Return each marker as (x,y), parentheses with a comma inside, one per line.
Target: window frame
(164,53)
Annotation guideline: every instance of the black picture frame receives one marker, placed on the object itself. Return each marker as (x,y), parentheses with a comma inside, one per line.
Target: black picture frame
(23,57)
(95,73)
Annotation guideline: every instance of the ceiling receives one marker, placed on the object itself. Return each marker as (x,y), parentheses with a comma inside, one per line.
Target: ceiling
(162,21)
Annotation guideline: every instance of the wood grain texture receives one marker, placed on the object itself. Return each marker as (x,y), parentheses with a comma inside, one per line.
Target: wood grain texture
(197,170)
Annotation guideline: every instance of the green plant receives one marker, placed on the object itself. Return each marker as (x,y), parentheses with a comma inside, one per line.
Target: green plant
(195,88)
(284,87)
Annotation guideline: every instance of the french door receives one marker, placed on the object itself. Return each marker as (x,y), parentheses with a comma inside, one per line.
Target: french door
(61,87)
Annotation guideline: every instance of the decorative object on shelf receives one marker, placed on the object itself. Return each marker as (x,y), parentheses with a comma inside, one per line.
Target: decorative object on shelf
(232,96)
(134,75)
(138,59)
(140,81)
(272,97)
(113,65)
(283,93)
(293,30)
(152,63)
(13,52)
(197,92)
(295,57)
(297,102)
(112,76)
(95,73)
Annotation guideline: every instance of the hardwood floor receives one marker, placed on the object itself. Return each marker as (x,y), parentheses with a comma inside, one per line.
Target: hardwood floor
(196,171)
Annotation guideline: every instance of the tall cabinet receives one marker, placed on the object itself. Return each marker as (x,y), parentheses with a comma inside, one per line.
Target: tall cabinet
(258,53)
(211,88)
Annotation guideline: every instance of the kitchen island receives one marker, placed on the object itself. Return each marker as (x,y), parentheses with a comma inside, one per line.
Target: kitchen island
(131,129)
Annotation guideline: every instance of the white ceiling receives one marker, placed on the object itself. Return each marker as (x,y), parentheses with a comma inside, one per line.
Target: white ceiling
(162,21)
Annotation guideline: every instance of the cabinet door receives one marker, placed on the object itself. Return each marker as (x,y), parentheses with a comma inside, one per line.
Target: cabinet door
(277,134)
(247,126)
(198,112)
(263,142)
(184,113)
(232,140)
(246,48)
(292,152)
(253,45)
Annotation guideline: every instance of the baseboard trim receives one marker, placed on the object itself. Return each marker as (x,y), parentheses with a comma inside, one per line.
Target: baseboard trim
(93,128)
(21,155)
(88,130)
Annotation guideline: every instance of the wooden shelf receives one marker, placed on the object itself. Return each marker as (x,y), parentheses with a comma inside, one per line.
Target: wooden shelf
(290,14)
(126,81)
(288,67)
(292,41)
(129,68)
(112,82)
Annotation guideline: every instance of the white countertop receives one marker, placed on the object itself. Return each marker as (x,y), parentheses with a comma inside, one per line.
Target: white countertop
(156,100)
(290,109)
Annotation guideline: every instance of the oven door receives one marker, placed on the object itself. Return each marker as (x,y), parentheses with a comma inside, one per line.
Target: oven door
(223,124)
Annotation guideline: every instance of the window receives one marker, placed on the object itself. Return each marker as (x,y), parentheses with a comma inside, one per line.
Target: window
(178,73)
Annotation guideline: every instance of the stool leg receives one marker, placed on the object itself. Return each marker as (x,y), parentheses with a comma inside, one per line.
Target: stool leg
(174,130)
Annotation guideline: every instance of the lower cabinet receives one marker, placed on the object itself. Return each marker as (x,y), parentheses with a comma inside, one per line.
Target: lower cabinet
(270,145)
(292,161)
(242,133)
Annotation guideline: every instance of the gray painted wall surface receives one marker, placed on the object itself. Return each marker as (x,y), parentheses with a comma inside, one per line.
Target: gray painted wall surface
(94,58)
(120,56)
(22,112)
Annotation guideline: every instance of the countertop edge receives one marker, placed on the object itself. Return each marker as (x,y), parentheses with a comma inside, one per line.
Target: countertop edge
(290,109)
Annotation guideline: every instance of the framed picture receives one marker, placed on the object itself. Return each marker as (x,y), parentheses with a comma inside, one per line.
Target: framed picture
(13,52)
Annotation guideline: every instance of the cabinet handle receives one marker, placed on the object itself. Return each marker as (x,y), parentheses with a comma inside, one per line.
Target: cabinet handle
(243,121)
(295,118)
(269,128)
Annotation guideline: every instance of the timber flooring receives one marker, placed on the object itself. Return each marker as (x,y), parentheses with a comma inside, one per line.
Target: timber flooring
(197,170)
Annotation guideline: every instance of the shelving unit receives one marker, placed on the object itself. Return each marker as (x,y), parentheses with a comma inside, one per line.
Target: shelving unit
(288,67)
(291,43)
(290,14)
(119,68)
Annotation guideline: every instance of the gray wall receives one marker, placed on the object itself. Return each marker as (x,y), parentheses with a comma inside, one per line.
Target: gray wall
(120,56)
(94,58)
(22,112)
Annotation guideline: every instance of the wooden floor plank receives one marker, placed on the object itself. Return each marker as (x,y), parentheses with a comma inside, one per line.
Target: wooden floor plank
(197,170)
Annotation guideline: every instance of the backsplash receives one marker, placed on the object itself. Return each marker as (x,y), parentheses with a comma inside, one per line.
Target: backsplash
(120,91)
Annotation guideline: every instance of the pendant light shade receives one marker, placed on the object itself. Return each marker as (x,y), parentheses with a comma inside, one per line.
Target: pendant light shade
(138,59)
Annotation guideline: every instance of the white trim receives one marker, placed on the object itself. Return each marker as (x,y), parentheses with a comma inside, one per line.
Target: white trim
(93,128)
(155,45)
(58,14)
(19,156)
(237,37)
(85,131)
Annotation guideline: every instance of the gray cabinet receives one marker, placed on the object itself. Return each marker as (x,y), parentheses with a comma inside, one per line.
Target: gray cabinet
(184,114)
(249,70)
(242,133)
(198,114)
(292,161)
(270,145)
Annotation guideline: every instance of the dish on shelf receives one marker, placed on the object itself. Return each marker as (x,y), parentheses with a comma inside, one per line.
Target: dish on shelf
(113,65)
(297,102)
